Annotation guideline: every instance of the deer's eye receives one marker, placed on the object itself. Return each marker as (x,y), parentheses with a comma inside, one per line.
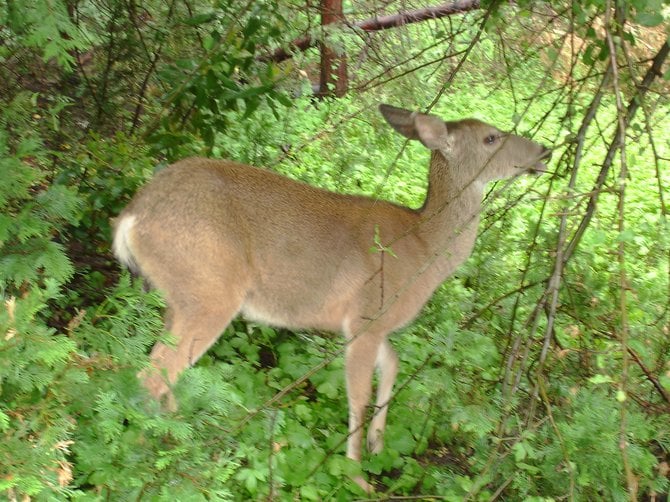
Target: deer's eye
(490,139)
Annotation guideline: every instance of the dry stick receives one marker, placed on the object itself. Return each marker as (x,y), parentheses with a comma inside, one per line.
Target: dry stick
(375,81)
(476,486)
(87,80)
(518,340)
(288,388)
(502,457)
(521,289)
(322,133)
(654,71)
(657,157)
(589,117)
(104,81)
(647,125)
(553,286)
(654,381)
(502,487)
(424,427)
(143,89)
(454,33)
(621,258)
(271,482)
(563,255)
(516,344)
(511,359)
(554,283)
(153,59)
(461,62)
(521,58)
(439,60)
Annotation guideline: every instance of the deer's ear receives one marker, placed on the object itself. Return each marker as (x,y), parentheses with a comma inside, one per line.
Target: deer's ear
(431,131)
(400,119)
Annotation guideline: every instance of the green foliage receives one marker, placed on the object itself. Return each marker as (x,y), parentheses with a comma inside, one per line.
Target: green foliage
(33,268)
(32,209)
(46,26)
(95,98)
(209,87)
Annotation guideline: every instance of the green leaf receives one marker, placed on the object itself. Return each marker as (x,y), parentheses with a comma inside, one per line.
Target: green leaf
(284,99)
(4,421)
(402,441)
(600,379)
(329,389)
(519,452)
(649,19)
(464,482)
(626,235)
(250,106)
(665,380)
(252,26)
(528,468)
(309,492)
(200,19)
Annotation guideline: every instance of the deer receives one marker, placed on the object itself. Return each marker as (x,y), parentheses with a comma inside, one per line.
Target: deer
(220,238)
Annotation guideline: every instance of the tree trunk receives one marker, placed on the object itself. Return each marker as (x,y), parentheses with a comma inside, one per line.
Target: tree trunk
(334,78)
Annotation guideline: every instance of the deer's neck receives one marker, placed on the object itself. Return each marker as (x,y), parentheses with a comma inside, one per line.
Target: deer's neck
(450,214)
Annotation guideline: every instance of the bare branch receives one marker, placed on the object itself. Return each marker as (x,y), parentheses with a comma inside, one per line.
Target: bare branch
(377,24)
(653,72)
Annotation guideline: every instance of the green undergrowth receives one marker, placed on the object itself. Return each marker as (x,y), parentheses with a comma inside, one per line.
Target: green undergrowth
(262,416)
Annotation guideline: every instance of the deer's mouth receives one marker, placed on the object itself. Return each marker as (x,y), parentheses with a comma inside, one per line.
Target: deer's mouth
(541,166)
(538,168)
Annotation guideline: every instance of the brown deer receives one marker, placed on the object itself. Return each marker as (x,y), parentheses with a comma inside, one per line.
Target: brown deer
(221,238)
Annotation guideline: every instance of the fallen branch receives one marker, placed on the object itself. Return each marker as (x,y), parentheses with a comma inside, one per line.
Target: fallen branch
(377,24)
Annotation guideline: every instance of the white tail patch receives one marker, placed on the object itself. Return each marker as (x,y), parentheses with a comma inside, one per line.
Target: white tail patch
(121,245)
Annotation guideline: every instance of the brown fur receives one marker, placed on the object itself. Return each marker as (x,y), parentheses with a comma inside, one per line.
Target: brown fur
(221,238)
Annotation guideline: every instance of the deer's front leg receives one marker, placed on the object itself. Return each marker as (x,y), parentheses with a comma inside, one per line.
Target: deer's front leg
(360,357)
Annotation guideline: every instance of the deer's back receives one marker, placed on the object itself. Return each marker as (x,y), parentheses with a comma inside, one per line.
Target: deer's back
(300,251)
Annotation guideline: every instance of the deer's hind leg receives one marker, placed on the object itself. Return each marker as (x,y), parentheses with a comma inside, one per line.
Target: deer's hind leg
(199,310)
(195,330)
